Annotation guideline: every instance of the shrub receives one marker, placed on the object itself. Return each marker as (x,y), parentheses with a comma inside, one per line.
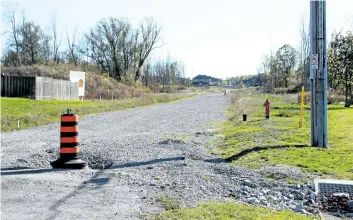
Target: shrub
(335,98)
(165,98)
(180,87)
(285,113)
(144,89)
(280,90)
(154,88)
(306,98)
(106,75)
(147,99)
(332,98)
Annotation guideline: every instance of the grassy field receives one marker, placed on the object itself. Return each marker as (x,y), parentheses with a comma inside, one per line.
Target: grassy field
(259,142)
(213,211)
(32,113)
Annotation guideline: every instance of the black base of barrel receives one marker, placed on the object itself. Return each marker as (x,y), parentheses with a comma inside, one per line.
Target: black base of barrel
(69,164)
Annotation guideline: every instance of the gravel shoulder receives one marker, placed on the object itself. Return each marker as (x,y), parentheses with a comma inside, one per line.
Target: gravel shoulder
(147,153)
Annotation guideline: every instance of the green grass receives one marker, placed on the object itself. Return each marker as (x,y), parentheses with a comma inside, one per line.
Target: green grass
(279,140)
(210,211)
(167,202)
(32,113)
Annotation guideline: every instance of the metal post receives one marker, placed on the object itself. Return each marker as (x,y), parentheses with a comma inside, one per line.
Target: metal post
(318,73)
(324,81)
(312,73)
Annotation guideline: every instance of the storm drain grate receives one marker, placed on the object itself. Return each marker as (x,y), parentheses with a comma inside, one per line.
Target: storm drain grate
(327,187)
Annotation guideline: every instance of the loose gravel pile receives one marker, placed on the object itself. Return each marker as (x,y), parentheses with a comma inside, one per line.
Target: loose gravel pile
(162,151)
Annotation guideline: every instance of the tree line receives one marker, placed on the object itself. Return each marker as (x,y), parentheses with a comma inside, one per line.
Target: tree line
(340,64)
(289,67)
(165,73)
(112,45)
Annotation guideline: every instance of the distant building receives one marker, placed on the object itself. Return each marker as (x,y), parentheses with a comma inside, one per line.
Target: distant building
(203,80)
(212,83)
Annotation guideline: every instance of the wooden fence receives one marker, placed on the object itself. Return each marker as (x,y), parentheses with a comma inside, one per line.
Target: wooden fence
(18,86)
(37,87)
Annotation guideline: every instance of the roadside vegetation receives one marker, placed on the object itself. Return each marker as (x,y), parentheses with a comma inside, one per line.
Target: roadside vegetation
(32,113)
(208,211)
(259,142)
(287,69)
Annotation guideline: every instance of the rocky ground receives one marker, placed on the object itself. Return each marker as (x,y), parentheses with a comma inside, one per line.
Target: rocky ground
(137,159)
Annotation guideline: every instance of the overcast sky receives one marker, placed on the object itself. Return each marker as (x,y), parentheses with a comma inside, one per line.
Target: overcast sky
(214,37)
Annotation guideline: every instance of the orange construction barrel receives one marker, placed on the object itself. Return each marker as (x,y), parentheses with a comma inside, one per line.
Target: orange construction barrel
(69,142)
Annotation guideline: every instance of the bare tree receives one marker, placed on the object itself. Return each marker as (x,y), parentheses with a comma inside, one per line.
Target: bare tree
(304,58)
(32,36)
(15,35)
(46,48)
(72,47)
(274,71)
(147,72)
(56,39)
(129,49)
(109,46)
(149,37)
(263,70)
(119,49)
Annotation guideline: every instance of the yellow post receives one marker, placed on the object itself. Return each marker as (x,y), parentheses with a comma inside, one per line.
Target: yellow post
(302,108)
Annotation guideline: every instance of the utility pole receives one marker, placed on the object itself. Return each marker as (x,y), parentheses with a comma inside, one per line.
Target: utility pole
(318,74)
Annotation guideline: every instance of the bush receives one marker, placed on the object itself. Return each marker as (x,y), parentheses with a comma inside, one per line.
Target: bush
(147,99)
(296,89)
(165,98)
(51,63)
(280,90)
(285,113)
(335,98)
(306,98)
(332,98)
(144,89)
(154,88)
(180,87)
(165,90)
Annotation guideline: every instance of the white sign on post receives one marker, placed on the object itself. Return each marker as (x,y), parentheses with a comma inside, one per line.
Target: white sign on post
(79,77)
(315,62)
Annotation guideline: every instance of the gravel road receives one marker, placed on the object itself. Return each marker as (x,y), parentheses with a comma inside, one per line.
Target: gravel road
(148,154)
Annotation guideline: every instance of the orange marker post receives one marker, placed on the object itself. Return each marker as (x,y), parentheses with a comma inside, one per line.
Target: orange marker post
(267,108)
(302,108)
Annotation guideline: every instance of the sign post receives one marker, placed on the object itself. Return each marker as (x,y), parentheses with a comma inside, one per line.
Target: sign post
(79,77)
